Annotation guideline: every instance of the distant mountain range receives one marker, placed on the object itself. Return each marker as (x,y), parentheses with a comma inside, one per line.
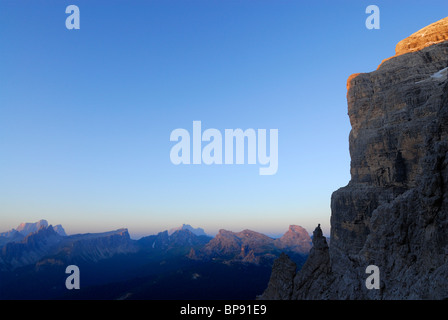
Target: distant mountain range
(253,247)
(24,229)
(34,251)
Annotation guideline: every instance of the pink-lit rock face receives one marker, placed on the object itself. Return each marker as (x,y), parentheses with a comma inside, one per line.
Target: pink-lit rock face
(432,34)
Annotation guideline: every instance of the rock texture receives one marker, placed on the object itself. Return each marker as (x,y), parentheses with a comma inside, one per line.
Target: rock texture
(394,211)
(295,239)
(25,229)
(284,284)
(434,33)
(280,285)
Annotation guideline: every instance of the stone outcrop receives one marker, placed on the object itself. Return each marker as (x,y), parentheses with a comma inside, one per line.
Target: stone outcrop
(284,284)
(394,211)
(280,285)
(317,266)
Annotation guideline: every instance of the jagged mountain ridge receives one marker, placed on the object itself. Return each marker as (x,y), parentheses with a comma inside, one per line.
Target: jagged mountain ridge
(26,228)
(114,266)
(394,211)
(254,247)
(46,245)
(181,241)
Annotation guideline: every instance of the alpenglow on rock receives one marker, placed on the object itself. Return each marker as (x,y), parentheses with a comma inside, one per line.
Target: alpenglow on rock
(27,228)
(394,211)
(254,247)
(196,231)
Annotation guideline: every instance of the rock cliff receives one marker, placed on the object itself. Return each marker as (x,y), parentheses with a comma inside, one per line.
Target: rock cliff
(93,247)
(254,247)
(394,211)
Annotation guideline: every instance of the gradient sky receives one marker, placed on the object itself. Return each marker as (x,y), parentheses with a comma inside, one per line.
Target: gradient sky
(86,115)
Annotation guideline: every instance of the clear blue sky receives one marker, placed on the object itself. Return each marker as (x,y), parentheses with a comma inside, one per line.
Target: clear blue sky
(86,115)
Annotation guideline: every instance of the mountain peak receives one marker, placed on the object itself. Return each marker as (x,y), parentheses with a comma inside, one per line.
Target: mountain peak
(296,232)
(297,229)
(25,228)
(296,238)
(429,35)
(195,231)
(432,34)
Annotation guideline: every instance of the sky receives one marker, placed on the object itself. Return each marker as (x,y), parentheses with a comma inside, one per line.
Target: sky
(86,114)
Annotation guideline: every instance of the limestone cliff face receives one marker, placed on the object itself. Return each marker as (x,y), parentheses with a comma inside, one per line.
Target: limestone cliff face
(394,211)
(434,33)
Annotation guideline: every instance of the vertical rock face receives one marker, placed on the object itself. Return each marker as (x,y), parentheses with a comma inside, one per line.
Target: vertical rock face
(394,211)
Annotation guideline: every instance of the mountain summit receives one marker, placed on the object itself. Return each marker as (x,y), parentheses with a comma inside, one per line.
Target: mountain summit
(196,231)
(25,229)
(429,35)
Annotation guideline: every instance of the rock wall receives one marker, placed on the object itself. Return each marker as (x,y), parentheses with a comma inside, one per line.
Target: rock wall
(394,211)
